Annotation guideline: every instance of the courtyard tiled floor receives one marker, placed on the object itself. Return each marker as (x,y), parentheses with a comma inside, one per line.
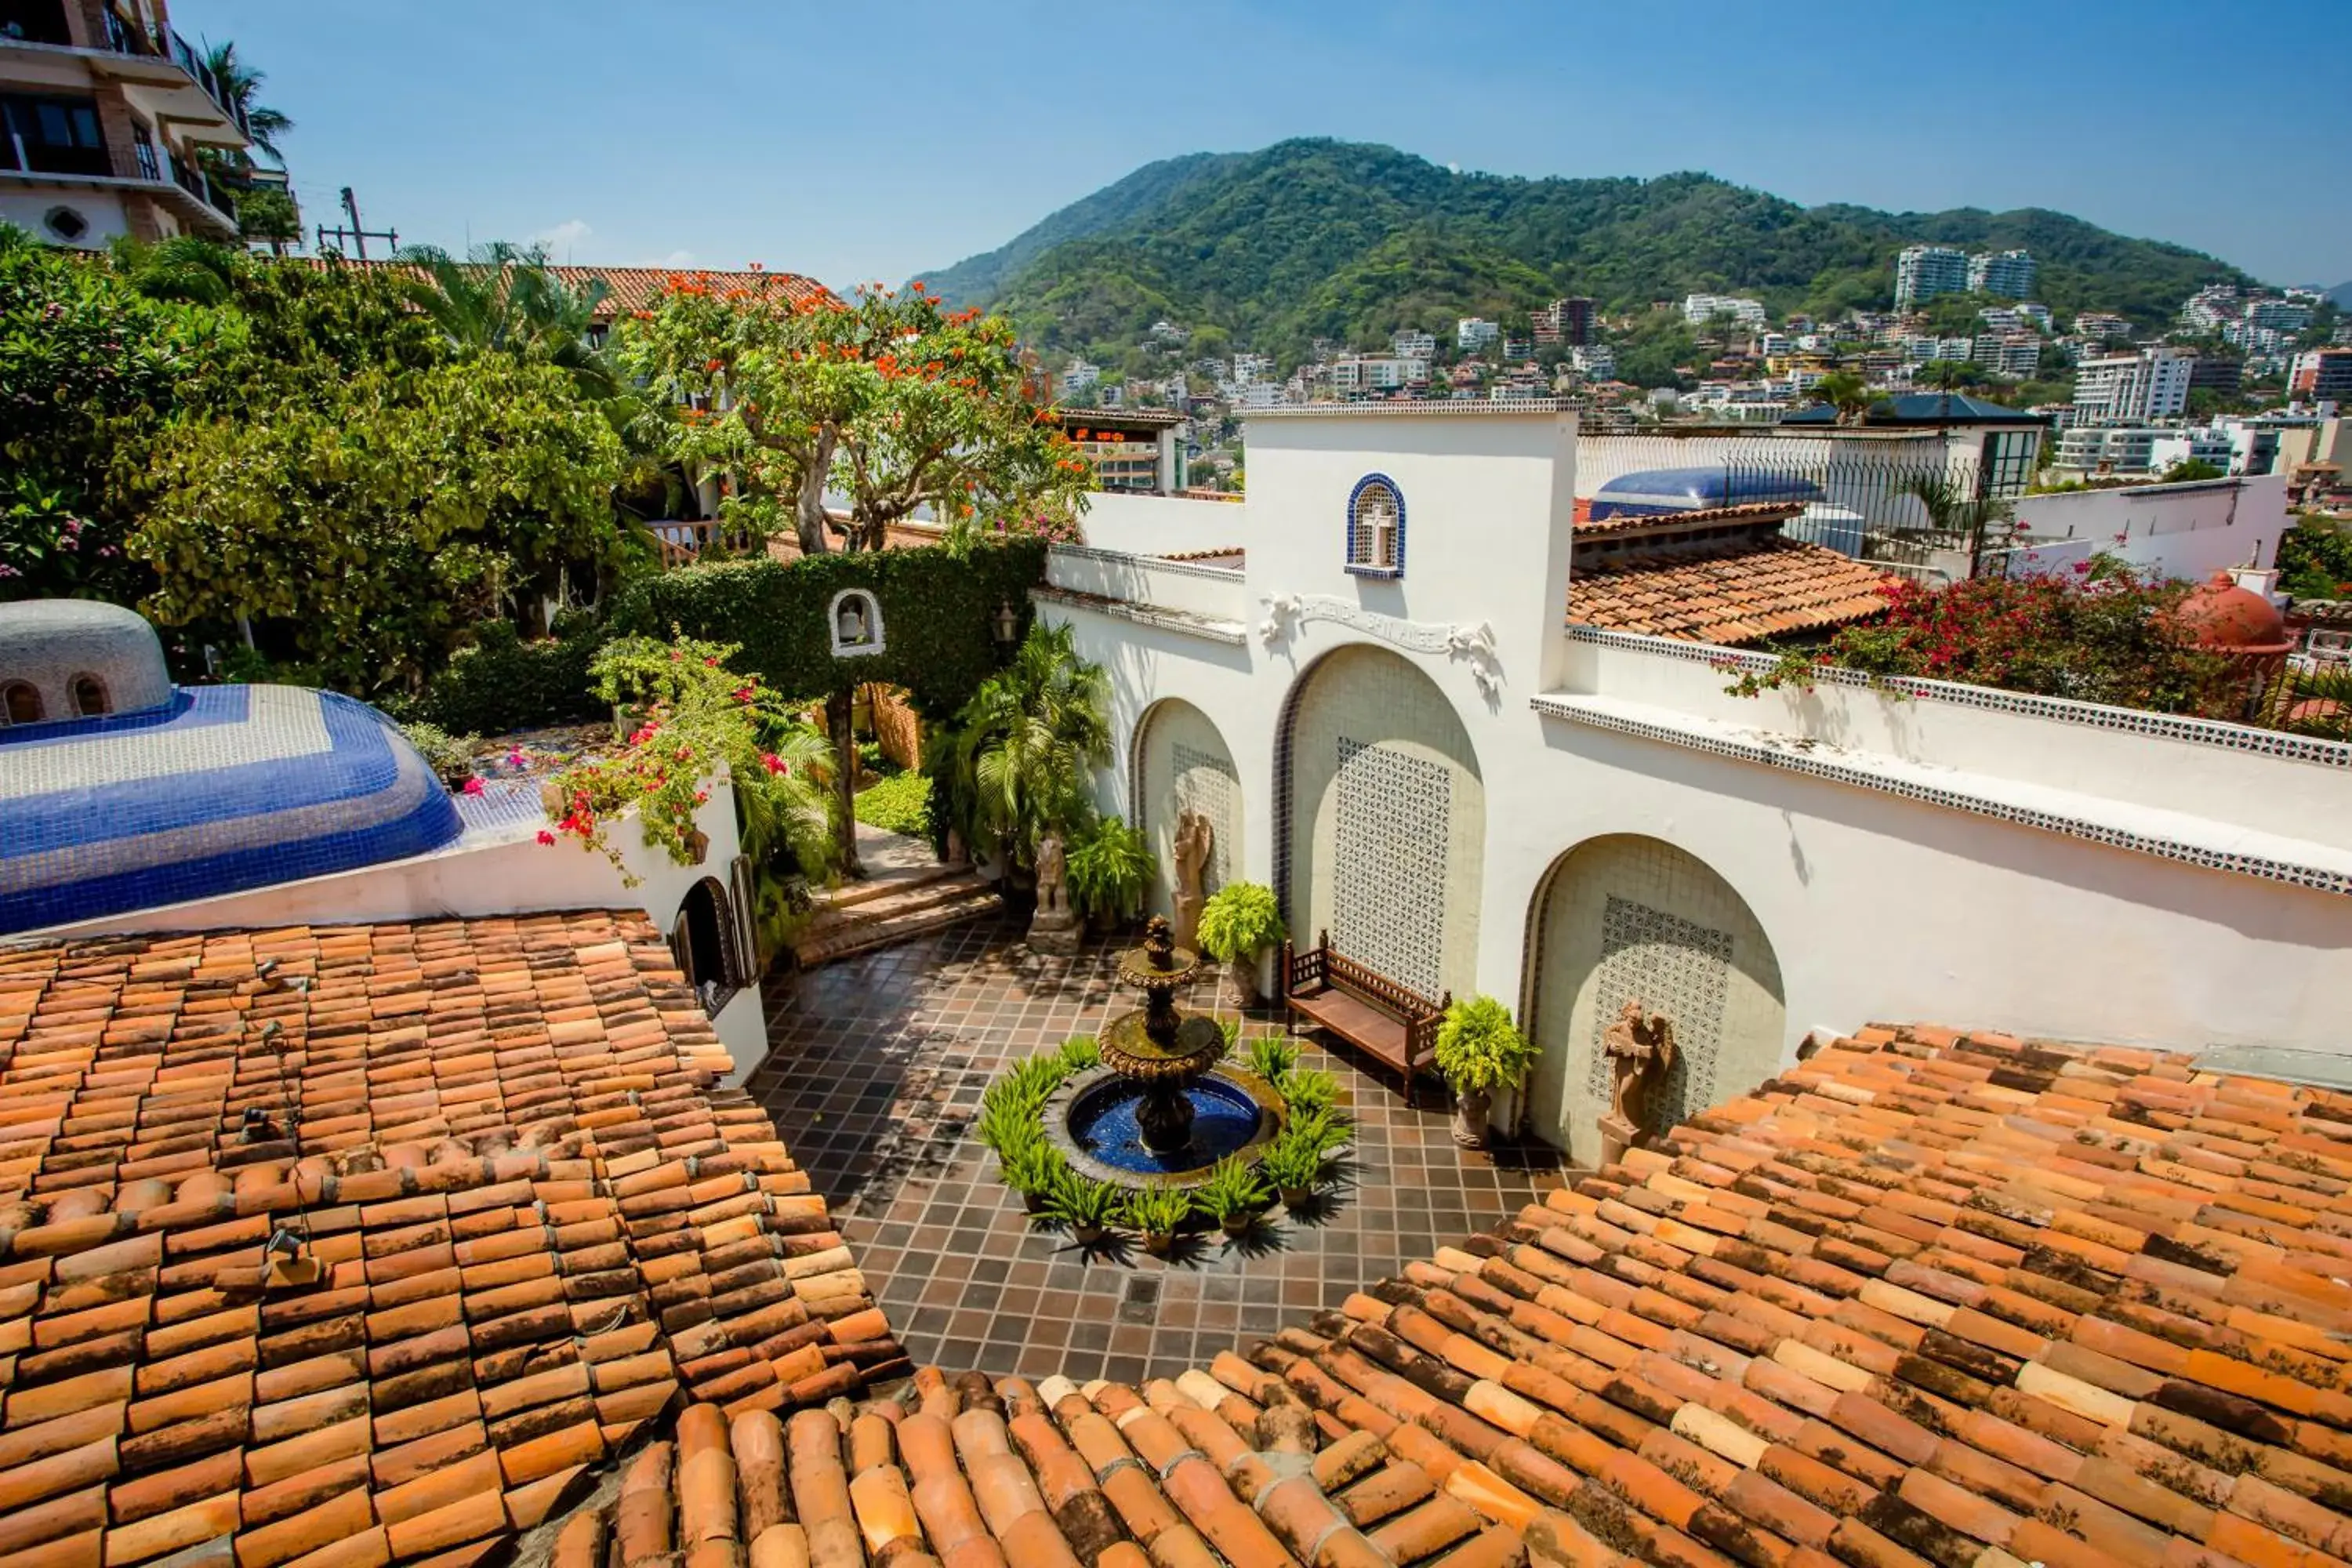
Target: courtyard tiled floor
(875,1071)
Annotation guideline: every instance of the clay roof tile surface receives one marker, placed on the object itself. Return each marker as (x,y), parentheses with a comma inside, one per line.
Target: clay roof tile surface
(1737,592)
(1928,1298)
(524,1221)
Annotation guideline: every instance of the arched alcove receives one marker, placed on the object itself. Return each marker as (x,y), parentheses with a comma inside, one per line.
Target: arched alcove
(1627,918)
(1381,831)
(706,942)
(1181,763)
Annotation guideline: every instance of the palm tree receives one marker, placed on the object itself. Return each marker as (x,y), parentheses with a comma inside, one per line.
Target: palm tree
(183,267)
(1847,392)
(502,298)
(240,84)
(1021,763)
(1953,511)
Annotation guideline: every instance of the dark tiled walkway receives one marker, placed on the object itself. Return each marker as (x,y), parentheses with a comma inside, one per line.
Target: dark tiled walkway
(876,1072)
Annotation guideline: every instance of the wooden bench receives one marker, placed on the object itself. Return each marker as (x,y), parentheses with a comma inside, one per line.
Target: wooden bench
(1367,1010)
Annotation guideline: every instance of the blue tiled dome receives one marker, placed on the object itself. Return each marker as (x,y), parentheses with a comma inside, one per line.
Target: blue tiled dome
(217,789)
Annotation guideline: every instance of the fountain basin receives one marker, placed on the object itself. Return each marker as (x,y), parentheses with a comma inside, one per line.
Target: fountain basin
(1092,1119)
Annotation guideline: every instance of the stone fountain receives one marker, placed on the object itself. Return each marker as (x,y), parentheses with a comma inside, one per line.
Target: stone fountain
(1161,1110)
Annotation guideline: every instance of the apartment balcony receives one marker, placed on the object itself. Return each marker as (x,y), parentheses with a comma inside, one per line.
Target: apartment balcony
(162,72)
(203,203)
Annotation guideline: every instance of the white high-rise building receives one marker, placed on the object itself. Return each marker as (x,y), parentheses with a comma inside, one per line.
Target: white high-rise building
(1413,345)
(1472,334)
(2008,273)
(2133,388)
(1700,308)
(1924,271)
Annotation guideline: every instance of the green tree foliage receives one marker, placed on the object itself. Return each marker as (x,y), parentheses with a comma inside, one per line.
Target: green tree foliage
(2315,560)
(1283,245)
(503,300)
(379,516)
(89,365)
(892,400)
(1845,392)
(1021,761)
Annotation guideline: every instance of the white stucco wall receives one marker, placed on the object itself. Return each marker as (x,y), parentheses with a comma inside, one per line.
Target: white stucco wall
(1920,893)
(2188,531)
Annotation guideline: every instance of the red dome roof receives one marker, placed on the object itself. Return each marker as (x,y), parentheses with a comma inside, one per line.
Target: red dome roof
(2228,618)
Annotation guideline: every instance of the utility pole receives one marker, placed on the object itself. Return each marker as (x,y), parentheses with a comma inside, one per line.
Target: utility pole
(358,235)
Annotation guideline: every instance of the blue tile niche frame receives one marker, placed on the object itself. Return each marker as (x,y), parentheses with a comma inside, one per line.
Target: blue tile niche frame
(1362,561)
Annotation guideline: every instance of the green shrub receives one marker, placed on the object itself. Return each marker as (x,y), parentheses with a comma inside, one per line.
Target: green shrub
(1158,1211)
(1035,1167)
(1080,1201)
(1309,1090)
(503,682)
(1240,920)
(1110,867)
(1272,1058)
(1234,1189)
(1480,1049)
(451,757)
(1296,1159)
(1080,1052)
(899,803)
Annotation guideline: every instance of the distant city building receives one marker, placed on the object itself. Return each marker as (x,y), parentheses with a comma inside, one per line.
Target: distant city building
(1248,368)
(1775,345)
(1922,272)
(2102,326)
(1366,376)
(2037,314)
(1519,346)
(2008,354)
(2210,373)
(1472,334)
(1079,377)
(1700,308)
(1594,362)
(1413,345)
(2008,273)
(1566,321)
(2279,315)
(1169,332)
(2207,308)
(2133,388)
(2322,372)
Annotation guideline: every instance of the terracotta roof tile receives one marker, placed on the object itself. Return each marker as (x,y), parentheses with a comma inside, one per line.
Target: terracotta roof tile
(1741,591)
(529,1218)
(1928,1300)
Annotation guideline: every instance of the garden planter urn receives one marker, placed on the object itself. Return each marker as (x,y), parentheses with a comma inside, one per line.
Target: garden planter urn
(1471,1108)
(1240,981)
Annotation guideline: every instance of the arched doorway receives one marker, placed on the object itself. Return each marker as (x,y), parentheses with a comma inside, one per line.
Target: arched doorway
(1382,830)
(1630,918)
(706,942)
(1181,763)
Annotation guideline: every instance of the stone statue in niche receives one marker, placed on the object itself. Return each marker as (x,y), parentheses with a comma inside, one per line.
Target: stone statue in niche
(1053,929)
(1640,1050)
(1195,841)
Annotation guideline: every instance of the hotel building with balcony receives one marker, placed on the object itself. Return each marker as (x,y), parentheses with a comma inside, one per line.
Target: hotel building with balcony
(105,112)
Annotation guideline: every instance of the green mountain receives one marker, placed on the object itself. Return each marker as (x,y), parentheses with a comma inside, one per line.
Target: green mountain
(1349,241)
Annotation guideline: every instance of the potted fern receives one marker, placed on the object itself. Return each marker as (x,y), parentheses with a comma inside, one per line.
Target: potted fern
(1234,1193)
(1238,924)
(1480,1050)
(1035,1170)
(1157,1211)
(1088,1207)
(1294,1162)
(1109,871)
(1272,1058)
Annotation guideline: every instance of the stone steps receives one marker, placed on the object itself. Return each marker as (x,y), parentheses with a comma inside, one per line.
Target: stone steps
(874,914)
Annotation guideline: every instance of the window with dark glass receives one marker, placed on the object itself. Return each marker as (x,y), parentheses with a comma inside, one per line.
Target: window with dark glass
(22,702)
(53,135)
(89,697)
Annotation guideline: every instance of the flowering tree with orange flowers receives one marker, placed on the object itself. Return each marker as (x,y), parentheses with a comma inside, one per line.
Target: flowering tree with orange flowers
(888,398)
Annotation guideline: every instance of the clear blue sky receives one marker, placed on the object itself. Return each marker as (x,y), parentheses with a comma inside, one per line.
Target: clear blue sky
(872,141)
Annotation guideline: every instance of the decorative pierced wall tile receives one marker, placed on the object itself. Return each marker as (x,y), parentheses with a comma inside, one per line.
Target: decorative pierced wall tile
(1672,966)
(1395,819)
(1207,783)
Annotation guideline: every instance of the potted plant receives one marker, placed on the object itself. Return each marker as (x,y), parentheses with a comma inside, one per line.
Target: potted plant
(1239,923)
(1480,1050)
(1234,1193)
(1157,1211)
(1088,1207)
(1035,1170)
(1109,871)
(1294,1162)
(451,757)
(1310,1090)
(1272,1058)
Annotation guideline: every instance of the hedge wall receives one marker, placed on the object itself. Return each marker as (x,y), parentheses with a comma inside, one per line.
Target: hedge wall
(505,683)
(939,612)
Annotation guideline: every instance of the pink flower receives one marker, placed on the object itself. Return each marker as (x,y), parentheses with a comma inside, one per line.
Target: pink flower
(701,796)
(473,785)
(517,760)
(774,764)
(712,663)
(744,693)
(545,836)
